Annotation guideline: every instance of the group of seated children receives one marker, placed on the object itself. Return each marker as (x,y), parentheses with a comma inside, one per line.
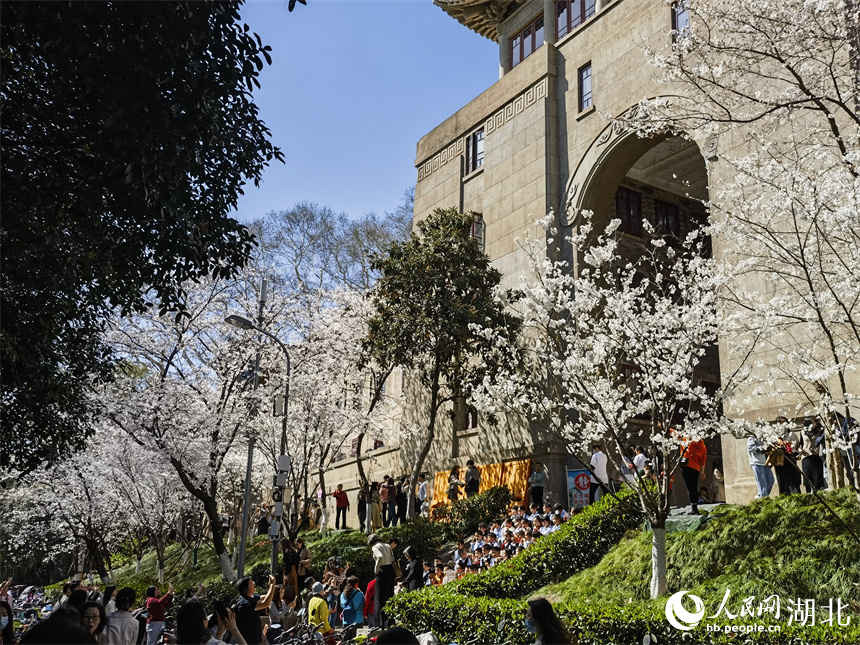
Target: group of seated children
(502,540)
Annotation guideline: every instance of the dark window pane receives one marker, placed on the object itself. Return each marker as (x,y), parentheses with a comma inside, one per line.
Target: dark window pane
(667,218)
(516,43)
(538,32)
(528,44)
(628,208)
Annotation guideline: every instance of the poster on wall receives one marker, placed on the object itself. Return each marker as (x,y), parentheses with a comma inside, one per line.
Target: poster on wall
(578,485)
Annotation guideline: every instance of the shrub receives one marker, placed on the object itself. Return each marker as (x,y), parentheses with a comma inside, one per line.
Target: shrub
(425,536)
(463,516)
(456,618)
(580,543)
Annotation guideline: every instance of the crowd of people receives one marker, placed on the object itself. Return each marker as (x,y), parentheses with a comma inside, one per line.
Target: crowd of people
(797,456)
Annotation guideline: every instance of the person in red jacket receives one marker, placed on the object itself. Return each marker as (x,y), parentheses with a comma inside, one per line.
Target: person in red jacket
(341,505)
(693,457)
(156,604)
(369,602)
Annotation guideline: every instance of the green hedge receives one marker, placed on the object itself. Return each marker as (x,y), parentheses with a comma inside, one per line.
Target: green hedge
(456,618)
(463,516)
(580,543)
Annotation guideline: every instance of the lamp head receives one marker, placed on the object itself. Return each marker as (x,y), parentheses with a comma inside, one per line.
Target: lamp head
(239,322)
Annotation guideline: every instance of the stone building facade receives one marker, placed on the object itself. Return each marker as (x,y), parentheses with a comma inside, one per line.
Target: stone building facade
(541,139)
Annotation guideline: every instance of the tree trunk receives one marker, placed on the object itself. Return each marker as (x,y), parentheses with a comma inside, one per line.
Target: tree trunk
(210,507)
(836,478)
(323,499)
(159,556)
(137,565)
(97,560)
(658,558)
(425,449)
(211,510)
(362,476)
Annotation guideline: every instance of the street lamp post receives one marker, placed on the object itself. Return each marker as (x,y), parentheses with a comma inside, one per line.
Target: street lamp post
(240,565)
(243,323)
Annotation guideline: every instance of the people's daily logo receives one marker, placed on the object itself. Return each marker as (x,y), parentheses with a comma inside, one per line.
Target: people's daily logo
(679,617)
(748,614)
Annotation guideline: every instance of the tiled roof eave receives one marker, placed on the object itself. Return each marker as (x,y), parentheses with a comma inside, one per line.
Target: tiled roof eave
(481,16)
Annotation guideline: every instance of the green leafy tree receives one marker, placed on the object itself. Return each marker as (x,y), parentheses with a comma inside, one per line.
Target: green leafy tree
(128,131)
(434,290)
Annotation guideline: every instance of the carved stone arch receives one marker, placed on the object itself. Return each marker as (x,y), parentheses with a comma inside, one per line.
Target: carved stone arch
(604,165)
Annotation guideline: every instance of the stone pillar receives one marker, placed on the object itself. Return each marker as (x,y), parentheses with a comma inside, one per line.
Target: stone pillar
(550,25)
(602,3)
(504,54)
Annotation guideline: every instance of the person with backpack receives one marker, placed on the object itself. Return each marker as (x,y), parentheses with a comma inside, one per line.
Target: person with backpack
(352,603)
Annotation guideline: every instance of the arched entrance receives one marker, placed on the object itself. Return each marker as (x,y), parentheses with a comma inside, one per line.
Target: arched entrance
(672,164)
(661,180)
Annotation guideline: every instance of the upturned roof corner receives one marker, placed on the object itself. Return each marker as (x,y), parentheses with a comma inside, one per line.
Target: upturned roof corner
(481,16)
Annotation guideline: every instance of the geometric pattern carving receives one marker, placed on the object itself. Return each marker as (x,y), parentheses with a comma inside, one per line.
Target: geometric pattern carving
(510,110)
(520,103)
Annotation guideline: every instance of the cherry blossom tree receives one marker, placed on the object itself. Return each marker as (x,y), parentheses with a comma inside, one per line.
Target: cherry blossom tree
(188,398)
(329,406)
(610,355)
(152,497)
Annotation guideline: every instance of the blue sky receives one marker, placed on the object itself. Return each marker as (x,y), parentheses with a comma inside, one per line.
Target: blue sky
(352,87)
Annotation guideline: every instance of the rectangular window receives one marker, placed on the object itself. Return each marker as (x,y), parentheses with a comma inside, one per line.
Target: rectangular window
(471,418)
(630,376)
(475,150)
(667,218)
(585,87)
(680,20)
(527,41)
(572,13)
(628,208)
(478,229)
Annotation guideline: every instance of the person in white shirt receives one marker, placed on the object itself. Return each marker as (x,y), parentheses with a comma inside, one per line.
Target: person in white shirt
(547,525)
(422,494)
(640,458)
(599,476)
(383,558)
(122,628)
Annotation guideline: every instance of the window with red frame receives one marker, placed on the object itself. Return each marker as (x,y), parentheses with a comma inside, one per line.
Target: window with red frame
(585,97)
(478,229)
(475,150)
(572,13)
(628,208)
(527,41)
